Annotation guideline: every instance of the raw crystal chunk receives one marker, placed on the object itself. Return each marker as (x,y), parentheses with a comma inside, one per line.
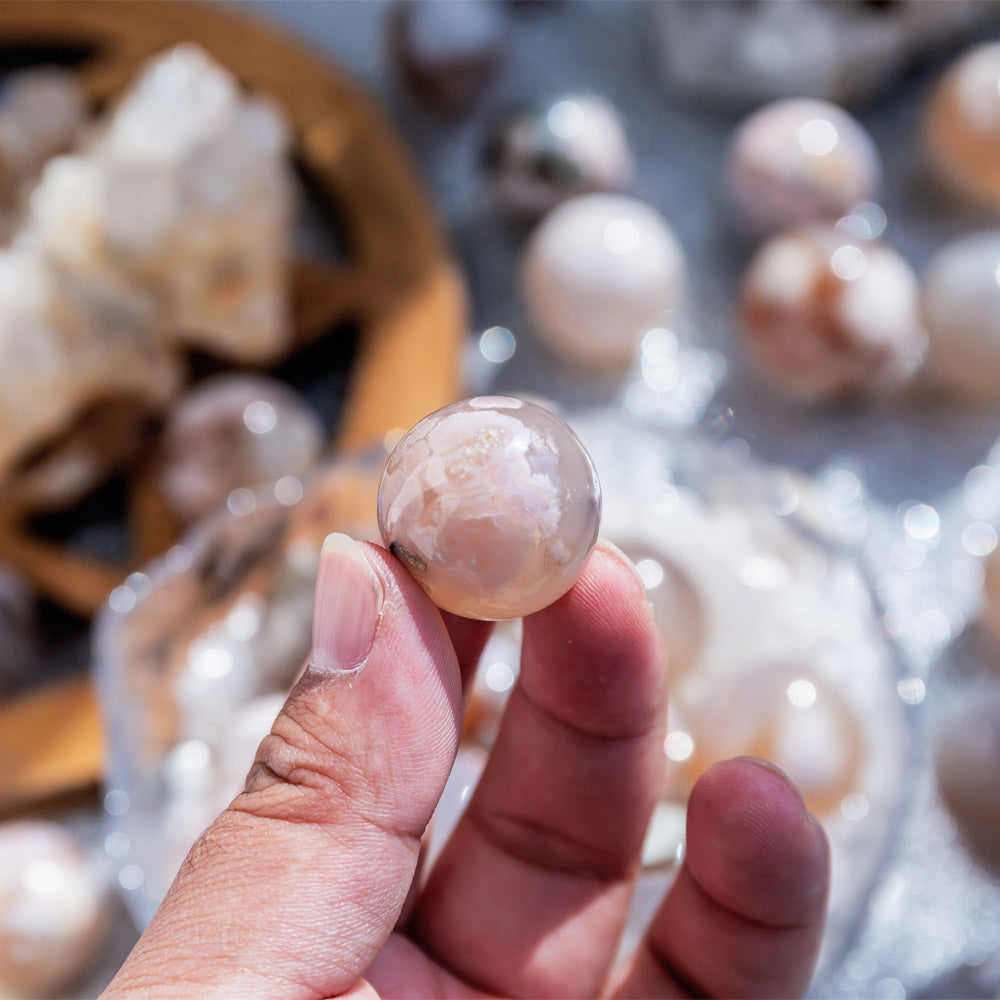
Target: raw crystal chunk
(186,193)
(493,505)
(65,343)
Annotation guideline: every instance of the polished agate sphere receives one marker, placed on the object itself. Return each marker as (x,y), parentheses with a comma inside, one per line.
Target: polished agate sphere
(961,310)
(53,909)
(540,155)
(963,125)
(799,161)
(600,271)
(493,505)
(234,431)
(828,316)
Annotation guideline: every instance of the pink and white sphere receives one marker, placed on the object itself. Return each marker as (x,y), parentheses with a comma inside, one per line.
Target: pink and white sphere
(598,273)
(493,505)
(798,161)
(828,316)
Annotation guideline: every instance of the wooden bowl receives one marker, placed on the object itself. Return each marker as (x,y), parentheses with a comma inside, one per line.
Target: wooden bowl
(398,286)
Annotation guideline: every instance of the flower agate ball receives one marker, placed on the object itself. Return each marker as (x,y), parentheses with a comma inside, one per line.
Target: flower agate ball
(961,306)
(540,155)
(963,125)
(53,909)
(493,505)
(799,161)
(600,271)
(828,316)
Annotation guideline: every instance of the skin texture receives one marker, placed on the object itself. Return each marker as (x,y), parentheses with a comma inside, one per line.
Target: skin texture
(302,887)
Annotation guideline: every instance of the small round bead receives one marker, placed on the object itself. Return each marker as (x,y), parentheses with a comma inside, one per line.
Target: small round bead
(448,53)
(961,309)
(967,767)
(493,505)
(799,161)
(828,316)
(963,125)
(600,271)
(53,909)
(234,431)
(537,156)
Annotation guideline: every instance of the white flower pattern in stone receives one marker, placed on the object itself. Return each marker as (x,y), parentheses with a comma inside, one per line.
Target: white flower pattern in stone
(493,506)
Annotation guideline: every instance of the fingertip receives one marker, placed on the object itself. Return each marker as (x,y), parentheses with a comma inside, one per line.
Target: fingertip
(754,847)
(596,651)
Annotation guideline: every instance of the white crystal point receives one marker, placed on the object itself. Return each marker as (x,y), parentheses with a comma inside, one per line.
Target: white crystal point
(493,505)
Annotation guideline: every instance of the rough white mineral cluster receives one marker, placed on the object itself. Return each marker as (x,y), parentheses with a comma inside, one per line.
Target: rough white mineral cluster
(186,193)
(171,229)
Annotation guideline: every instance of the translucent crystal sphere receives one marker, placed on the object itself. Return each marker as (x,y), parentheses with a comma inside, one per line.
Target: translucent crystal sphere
(678,608)
(493,504)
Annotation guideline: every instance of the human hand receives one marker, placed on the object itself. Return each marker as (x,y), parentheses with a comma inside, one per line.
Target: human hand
(297,889)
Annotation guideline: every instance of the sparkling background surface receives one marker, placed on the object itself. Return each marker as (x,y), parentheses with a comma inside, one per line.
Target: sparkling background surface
(913,489)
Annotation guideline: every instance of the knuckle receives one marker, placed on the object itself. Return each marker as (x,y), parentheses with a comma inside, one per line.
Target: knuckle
(302,773)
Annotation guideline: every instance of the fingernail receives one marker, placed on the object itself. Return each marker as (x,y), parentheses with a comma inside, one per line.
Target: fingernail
(770,766)
(348,605)
(612,549)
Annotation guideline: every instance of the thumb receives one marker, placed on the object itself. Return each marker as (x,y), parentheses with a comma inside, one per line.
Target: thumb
(294,889)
